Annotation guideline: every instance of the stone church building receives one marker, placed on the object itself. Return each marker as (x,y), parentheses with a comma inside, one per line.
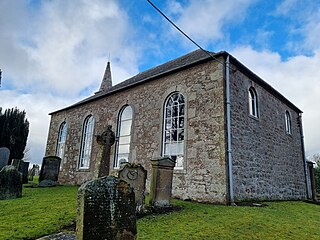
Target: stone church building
(234,137)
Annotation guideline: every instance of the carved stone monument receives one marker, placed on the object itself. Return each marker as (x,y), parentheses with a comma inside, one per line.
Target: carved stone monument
(49,171)
(106,210)
(136,176)
(4,156)
(10,183)
(161,182)
(105,140)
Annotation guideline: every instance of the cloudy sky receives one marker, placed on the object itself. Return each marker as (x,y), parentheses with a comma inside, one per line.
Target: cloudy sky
(53,52)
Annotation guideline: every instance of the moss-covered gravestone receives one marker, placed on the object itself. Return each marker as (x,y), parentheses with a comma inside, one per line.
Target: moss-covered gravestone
(10,183)
(136,176)
(106,210)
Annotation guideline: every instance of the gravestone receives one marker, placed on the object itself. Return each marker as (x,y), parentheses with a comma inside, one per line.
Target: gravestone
(4,156)
(24,168)
(16,163)
(136,176)
(161,182)
(105,140)
(49,171)
(32,172)
(106,210)
(10,183)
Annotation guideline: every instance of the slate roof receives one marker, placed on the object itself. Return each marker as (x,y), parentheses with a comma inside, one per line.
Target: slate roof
(178,64)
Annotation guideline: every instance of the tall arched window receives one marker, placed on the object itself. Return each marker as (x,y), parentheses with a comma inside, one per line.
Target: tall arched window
(62,136)
(288,122)
(173,128)
(253,102)
(86,144)
(123,136)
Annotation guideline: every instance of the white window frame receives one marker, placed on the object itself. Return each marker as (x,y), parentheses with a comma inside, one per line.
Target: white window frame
(86,143)
(61,141)
(123,139)
(253,102)
(288,122)
(174,128)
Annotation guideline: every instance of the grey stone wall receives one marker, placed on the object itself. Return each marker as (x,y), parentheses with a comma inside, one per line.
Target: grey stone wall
(204,175)
(267,162)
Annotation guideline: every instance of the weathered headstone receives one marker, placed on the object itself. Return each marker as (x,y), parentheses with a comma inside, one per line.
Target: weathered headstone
(136,176)
(105,140)
(312,180)
(10,183)
(106,210)
(49,171)
(4,156)
(161,182)
(32,172)
(24,168)
(16,163)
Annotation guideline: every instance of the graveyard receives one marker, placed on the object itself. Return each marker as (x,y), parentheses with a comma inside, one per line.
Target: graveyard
(45,211)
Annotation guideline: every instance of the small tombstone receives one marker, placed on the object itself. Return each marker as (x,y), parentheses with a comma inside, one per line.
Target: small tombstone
(136,176)
(106,210)
(31,172)
(4,156)
(49,171)
(161,182)
(10,183)
(312,180)
(16,163)
(105,140)
(24,168)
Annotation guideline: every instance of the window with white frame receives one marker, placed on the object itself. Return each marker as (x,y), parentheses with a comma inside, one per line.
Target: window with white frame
(123,136)
(288,122)
(173,128)
(62,136)
(253,102)
(86,144)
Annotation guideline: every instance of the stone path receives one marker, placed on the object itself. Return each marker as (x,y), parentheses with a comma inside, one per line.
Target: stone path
(59,236)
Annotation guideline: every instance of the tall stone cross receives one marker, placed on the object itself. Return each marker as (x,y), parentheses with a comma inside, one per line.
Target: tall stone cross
(106,139)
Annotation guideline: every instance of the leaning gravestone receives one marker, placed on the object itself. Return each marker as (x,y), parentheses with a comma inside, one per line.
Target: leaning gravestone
(4,156)
(161,182)
(106,210)
(136,176)
(10,183)
(24,168)
(49,171)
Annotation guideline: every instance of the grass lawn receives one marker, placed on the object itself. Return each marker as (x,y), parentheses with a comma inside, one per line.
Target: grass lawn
(43,211)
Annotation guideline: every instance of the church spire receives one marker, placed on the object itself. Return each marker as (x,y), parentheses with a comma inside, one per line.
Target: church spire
(106,83)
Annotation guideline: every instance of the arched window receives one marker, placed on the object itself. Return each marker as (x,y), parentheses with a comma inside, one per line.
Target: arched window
(253,102)
(173,128)
(62,136)
(288,122)
(123,136)
(86,144)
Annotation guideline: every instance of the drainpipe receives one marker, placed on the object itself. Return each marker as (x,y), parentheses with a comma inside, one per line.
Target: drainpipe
(229,150)
(304,156)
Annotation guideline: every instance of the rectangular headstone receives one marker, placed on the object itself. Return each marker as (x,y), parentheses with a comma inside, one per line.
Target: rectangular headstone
(10,183)
(4,156)
(24,167)
(106,210)
(49,171)
(136,176)
(161,182)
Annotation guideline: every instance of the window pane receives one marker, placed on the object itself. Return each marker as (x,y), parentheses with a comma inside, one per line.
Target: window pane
(124,140)
(125,128)
(124,148)
(126,113)
(180,135)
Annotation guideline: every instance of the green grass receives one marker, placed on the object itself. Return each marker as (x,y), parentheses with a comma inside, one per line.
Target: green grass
(43,211)
(39,212)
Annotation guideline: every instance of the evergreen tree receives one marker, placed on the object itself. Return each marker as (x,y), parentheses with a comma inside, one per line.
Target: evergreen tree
(14,130)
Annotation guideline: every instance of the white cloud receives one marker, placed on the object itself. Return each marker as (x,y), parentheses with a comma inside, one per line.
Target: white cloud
(204,20)
(298,79)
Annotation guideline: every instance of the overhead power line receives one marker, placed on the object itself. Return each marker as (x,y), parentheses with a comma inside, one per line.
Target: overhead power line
(180,30)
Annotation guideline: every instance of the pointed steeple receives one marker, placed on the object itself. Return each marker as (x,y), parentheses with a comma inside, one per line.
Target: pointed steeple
(107,80)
